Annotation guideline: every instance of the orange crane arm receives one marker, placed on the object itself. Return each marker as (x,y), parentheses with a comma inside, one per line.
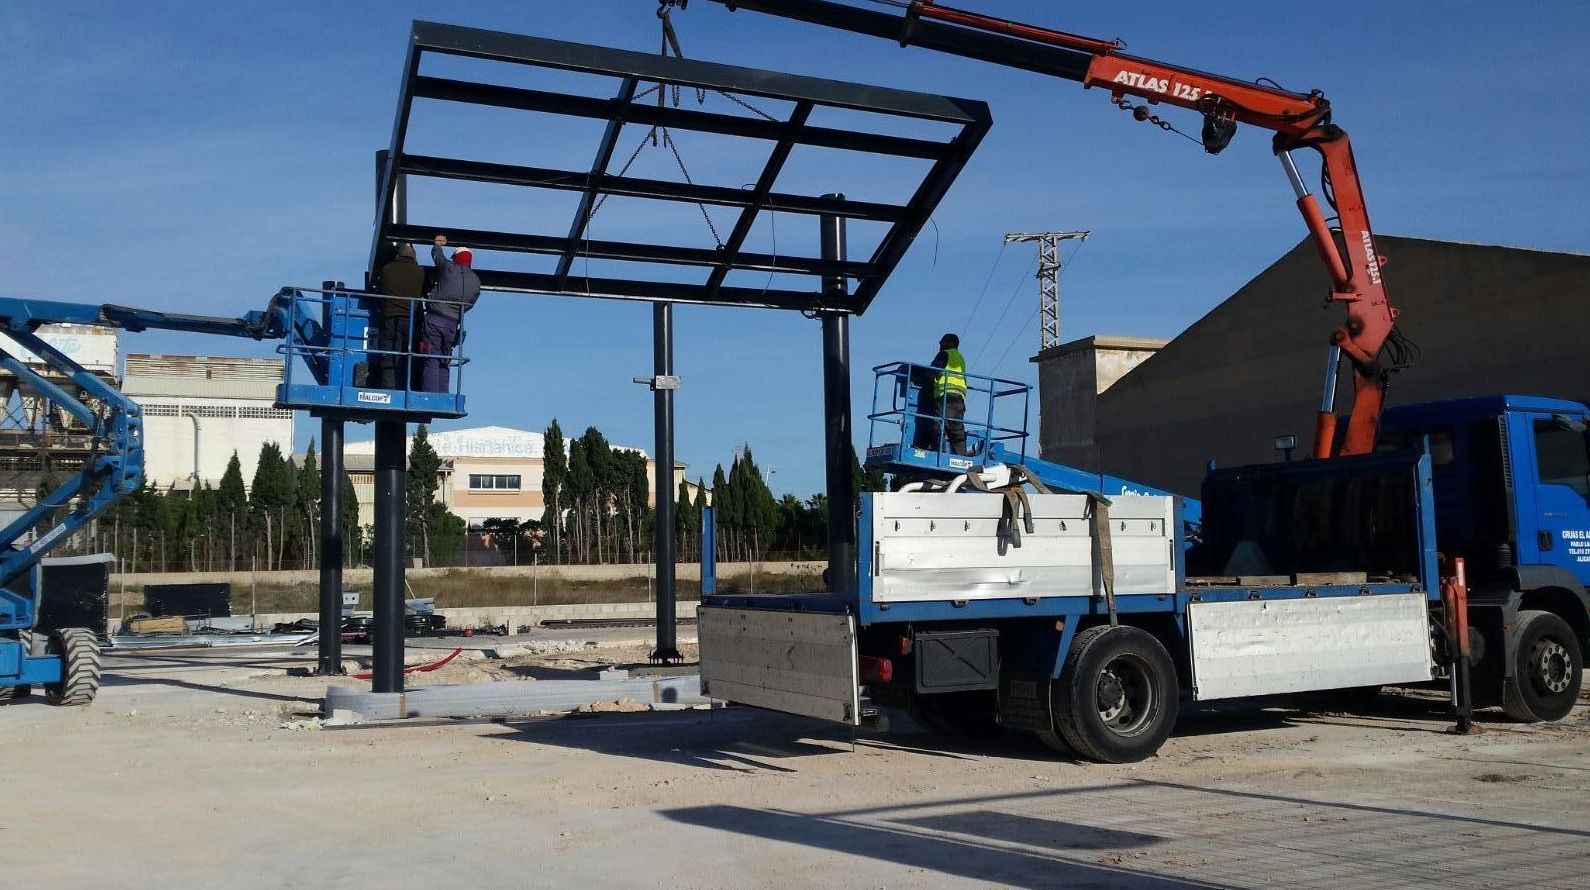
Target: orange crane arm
(1298,121)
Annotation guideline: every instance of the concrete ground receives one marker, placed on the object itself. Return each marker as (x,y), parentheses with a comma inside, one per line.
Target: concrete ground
(181,776)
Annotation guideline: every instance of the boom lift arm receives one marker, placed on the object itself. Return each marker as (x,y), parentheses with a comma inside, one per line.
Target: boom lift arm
(113,420)
(1298,121)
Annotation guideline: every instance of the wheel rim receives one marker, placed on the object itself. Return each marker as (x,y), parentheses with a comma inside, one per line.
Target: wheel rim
(1125,695)
(1552,666)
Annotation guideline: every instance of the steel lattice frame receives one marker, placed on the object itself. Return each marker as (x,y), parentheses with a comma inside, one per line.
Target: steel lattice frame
(862,277)
(1048,280)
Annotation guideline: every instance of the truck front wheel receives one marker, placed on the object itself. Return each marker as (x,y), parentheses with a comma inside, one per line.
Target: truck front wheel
(1116,698)
(1547,668)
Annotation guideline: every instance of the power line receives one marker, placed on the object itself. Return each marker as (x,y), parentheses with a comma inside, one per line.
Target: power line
(1006,311)
(986,282)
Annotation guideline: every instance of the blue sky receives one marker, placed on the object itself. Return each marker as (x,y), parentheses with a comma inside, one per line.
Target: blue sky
(197,156)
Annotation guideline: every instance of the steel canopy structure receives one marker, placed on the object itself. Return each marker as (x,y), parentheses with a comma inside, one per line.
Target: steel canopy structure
(631,72)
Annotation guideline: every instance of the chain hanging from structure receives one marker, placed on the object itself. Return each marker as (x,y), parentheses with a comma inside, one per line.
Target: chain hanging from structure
(1048,280)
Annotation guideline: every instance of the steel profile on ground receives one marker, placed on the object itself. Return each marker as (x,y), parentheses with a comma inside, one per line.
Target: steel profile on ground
(513,698)
(632,111)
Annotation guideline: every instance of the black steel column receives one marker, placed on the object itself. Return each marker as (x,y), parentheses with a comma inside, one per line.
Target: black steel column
(387,553)
(331,545)
(663,384)
(837,443)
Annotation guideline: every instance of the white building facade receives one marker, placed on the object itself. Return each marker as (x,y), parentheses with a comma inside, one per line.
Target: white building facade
(488,472)
(199,409)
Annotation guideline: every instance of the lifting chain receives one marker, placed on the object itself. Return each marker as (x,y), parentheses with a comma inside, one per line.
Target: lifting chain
(1141,112)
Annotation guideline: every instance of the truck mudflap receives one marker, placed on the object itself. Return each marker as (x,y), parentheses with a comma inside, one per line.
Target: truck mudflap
(1267,647)
(795,662)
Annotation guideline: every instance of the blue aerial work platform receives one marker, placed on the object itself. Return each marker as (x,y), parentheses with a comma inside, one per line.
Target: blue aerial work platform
(324,343)
(908,439)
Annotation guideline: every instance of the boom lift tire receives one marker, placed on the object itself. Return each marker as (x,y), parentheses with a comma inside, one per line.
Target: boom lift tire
(1116,698)
(973,715)
(1547,668)
(80,668)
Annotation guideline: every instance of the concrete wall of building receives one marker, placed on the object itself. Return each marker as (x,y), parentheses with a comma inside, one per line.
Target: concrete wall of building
(1070,378)
(199,409)
(1487,319)
(175,430)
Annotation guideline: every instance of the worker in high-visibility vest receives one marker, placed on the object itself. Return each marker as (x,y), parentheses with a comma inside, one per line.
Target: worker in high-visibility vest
(943,395)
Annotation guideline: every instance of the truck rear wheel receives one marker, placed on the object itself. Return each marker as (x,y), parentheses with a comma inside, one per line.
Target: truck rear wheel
(1116,698)
(78,648)
(1547,668)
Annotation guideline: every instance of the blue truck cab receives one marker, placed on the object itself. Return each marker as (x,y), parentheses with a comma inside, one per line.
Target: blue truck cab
(1511,479)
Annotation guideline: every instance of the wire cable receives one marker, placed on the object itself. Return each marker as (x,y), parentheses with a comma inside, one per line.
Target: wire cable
(1006,311)
(986,282)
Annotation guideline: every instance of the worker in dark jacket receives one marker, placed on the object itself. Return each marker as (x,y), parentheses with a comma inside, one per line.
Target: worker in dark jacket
(403,279)
(456,290)
(943,395)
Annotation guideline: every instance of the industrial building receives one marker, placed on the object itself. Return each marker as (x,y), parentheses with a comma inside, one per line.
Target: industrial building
(488,472)
(1488,319)
(199,409)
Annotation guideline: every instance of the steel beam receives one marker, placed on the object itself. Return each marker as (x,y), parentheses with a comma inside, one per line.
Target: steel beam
(631,252)
(678,118)
(331,546)
(521,48)
(839,450)
(387,554)
(632,289)
(663,480)
(633,187)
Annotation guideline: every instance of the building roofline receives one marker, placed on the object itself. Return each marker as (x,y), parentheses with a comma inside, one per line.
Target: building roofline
(1100,341)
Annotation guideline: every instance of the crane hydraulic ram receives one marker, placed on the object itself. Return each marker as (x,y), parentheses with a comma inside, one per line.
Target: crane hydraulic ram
(1368,337)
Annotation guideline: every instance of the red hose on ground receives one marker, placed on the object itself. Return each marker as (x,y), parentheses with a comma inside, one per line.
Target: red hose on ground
(417,669)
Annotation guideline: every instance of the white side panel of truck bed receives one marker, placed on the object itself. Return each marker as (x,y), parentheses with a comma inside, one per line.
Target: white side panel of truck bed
(937,547)
(1265,647)
(796,662)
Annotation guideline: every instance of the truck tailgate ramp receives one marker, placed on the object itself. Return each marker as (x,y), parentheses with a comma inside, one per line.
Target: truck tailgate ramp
(796,662)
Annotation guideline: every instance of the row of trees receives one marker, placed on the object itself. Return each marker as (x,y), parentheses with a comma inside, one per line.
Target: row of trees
(597,508)
(597,511)
(272,523)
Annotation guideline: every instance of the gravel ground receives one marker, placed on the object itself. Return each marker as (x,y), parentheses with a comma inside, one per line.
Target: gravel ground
(181,776)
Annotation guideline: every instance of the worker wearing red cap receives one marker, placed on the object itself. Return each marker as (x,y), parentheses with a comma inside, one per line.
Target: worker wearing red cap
(455,292)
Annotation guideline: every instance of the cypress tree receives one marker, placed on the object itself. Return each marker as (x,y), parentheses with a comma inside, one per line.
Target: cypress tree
(554,474)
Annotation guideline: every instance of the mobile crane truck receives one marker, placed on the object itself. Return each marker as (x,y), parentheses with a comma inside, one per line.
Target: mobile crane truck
(1444,541)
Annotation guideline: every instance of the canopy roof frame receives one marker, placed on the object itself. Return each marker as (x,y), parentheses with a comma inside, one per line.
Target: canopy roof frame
(862,277)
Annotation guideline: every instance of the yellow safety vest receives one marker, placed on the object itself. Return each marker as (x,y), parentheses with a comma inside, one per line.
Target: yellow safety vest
(951,380)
